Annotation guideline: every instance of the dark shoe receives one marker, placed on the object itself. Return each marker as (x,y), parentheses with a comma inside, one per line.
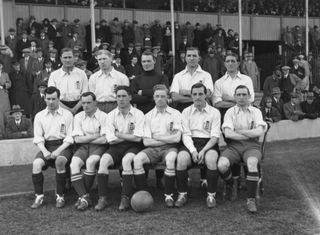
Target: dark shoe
(169,200)
(37,202)
(251,205)
(211,200)
(182,200)
(124,204)
(102,204)
(60,201)
(85,202)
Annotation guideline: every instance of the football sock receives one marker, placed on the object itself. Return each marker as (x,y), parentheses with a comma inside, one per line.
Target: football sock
(169,179)
(203,173)
(140,179)
(159,174)
(61,179)
(252,183)
(227,176)
(182,181)
(77,183)
(127,177)
(103,185)
(236,170)
(212,178)
(37,180)
(88,179)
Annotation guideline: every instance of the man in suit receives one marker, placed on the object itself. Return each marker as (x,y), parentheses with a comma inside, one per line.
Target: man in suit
(37,100)
(75,41)
(52,30)
(269,113)
(22,43)
(38,63)
(27,61)
(18,126)
(55,61)
(11,40)
(292,109)
(277,102)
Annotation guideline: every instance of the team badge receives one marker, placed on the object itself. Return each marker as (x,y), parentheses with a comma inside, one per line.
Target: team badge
(77,85)
(63,129)
(131,127)
(206,126)
(171,126)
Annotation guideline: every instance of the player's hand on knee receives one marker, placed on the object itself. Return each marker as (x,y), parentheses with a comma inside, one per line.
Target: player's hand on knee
(47,155)
(195,156)
(201,157)
(55,154)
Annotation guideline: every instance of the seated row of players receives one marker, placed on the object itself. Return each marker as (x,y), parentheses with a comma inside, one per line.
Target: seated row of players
(124,130)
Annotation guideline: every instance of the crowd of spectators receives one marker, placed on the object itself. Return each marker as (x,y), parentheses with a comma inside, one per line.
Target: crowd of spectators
(32,52)
(263,7)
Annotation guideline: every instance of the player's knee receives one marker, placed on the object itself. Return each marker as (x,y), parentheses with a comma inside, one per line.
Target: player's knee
(37,165)
(138,161)
(91,162)
(223,164)
(252,164)
(75,165)
(211,160)
(182,160)
(127,162)
(171,160)
(60,163)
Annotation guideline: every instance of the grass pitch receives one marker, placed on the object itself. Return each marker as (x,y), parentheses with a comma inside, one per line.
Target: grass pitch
(290,204)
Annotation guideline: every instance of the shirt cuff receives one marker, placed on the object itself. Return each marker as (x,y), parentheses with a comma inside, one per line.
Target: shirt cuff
(187,141)
(37,140)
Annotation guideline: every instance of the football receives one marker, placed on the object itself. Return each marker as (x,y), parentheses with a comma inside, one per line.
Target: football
(142,201)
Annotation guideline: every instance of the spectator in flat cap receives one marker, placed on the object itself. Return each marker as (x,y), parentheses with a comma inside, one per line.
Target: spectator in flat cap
(22,43)
(75,41)
(292,109)
(5,84)
(52,30)
(133,69)
(54,58)
(127,54)
(26,62)
(80,29)
(117,64)
(38,63)
(270,113)
(65,30)
(18,126)
(43,76)
(277,102)
(270,82)
(289,83)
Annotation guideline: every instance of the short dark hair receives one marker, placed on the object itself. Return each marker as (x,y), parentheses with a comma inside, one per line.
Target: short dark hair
(50,90)
(199,85)
(193,49)
(148,53)
(161,87)
(126,88)
(89,93)
(234,55)
(66,49)
(242,87)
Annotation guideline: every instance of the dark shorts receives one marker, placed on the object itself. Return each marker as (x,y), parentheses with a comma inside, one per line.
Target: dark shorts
(118,151)
(84,151)
(238,151)
(107,107)
(71,104)
(199,143)
(158,154)
(51,146)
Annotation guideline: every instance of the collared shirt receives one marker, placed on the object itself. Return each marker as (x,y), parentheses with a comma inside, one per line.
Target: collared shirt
(103,85)
(225,87)
(18,122)
(184,80)
(71,85)
(162,123)
(200,124)
(57,126)
(238,119)
(85,125)
(132,123)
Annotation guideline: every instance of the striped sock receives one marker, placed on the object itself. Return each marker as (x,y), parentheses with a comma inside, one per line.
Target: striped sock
(78,184)
(88,179)
(169,180)
(252,183)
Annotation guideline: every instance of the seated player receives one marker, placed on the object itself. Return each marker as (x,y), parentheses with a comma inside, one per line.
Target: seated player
(89,135)
(162,133)
(124,131)
(243,125)
(201,132)
(53,136)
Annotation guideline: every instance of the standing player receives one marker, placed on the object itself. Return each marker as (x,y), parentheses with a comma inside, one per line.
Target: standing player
(201,132)
(52,135)
(104,82)
(89,135)
(71,81)
(243,125)
(123,131)
(162,133)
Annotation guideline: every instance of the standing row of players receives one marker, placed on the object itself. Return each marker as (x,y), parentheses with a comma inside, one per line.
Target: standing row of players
(128,137)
